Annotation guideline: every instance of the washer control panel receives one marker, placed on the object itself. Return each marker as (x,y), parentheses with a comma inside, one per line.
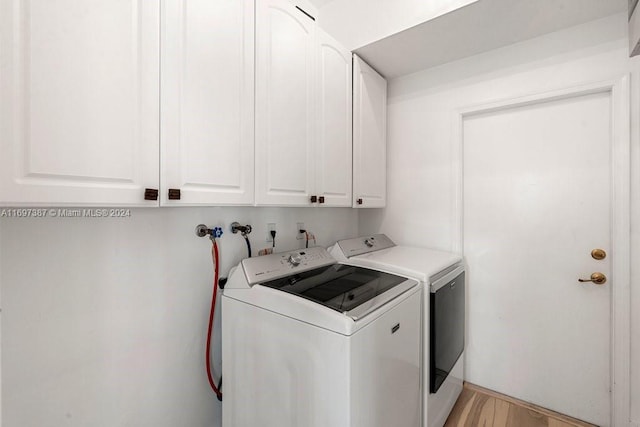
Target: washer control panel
(365,244)
(269,267)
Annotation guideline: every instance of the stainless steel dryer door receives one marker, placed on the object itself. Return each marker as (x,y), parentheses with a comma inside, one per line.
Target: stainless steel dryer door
(447,312)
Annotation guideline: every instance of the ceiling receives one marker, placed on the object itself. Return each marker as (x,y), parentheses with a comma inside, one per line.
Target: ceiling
(479,27)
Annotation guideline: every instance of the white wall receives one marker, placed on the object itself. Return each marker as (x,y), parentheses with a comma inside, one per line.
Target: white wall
(104,320)
(421,110)
(357,23)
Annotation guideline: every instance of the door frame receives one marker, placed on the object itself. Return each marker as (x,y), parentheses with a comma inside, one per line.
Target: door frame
(620,334)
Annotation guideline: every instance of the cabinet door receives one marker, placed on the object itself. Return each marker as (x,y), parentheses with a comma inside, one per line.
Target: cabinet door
(207,101)
(285,51)
(369,136)
(334,145)
(79,107)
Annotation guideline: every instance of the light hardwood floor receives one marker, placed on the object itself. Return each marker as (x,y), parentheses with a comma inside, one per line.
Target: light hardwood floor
(477,407)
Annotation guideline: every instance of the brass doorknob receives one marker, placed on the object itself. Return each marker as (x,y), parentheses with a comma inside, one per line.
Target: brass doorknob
(598,254)
(597,278)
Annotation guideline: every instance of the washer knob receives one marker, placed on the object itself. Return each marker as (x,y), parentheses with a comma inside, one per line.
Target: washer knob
(369,242)
(295,259)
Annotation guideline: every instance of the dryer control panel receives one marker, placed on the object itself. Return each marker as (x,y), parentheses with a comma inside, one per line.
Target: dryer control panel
(365,244)
(269,267)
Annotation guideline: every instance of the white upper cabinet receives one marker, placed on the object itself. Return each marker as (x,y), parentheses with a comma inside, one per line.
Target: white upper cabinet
(369,136)
(79,102)
(175,103)
(207,97)
(333,159)
(285,65)
(303,110)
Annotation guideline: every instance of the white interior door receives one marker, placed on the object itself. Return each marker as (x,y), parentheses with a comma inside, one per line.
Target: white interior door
(537,201)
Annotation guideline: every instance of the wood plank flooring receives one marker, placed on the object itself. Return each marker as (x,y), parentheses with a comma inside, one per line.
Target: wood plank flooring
(479,407)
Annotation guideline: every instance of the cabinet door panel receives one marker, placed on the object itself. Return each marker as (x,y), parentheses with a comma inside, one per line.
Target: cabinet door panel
(334,145)
(285,49)
(79,104)
(207,101)
(369,136)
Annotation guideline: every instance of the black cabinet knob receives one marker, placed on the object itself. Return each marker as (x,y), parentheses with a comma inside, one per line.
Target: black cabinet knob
(174,194)
(150,194)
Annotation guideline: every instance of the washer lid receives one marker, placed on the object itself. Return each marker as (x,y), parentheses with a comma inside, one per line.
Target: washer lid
(304,304)
(419,263)
(354,291)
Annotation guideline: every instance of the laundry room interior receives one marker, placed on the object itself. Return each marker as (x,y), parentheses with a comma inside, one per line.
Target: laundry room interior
(501,138)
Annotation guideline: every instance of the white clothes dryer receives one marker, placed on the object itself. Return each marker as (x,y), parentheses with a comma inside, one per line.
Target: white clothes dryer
(310,342)
(442,275)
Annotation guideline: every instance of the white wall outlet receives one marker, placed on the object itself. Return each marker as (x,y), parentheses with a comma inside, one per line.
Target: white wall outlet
(299,226)
(270,227)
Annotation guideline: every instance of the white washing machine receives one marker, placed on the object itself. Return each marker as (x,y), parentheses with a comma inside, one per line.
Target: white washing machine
(310,342)
(442,276)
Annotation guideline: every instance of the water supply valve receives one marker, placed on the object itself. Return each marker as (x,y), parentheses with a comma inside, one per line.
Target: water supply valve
(243,229)
(202,230)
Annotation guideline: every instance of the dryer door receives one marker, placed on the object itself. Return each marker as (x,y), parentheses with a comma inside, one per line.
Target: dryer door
(447,327)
